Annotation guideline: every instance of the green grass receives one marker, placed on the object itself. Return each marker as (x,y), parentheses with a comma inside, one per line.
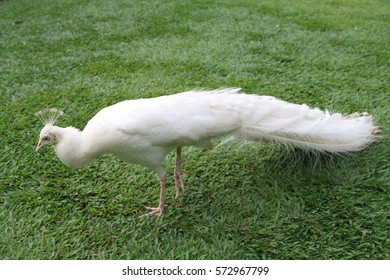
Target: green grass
(242,201)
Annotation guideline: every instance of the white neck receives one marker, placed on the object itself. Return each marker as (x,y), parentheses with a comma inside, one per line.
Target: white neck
(71,149)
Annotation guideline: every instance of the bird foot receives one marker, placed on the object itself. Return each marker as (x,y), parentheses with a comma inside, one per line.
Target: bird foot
(179,182)
(154,211)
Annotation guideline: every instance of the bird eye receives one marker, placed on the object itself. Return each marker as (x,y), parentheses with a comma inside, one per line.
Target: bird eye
(46,138)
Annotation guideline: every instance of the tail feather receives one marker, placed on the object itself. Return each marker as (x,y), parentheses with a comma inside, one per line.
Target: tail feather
(312,129)
(268,118)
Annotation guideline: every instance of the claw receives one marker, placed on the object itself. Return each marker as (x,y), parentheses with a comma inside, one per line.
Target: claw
(154,212)
(160,208)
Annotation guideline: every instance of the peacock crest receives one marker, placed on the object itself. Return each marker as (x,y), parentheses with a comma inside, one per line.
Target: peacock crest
(49,115)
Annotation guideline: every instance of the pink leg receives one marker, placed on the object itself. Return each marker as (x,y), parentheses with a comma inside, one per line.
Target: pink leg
(160,208)
(179,183)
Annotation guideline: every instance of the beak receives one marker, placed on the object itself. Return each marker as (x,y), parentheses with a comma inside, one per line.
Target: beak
(38,147)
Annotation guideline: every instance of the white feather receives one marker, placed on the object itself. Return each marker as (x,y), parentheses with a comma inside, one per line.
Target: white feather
(144,131)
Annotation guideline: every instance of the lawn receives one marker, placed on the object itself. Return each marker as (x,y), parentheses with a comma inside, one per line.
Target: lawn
(242,201)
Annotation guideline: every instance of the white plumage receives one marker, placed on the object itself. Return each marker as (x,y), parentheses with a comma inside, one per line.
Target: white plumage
(144,131)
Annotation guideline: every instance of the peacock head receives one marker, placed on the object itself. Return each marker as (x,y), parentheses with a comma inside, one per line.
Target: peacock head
(49,134)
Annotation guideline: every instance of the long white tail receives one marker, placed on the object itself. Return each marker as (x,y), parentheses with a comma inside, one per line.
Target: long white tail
(268,118)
